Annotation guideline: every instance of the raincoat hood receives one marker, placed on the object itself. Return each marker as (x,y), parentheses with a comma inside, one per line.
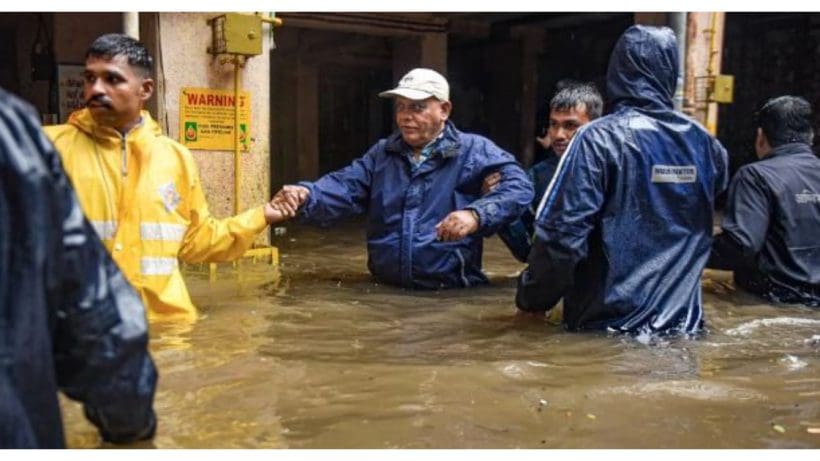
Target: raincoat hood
(643,68)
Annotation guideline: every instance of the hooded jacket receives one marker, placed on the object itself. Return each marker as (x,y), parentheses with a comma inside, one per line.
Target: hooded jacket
(403,205)
(625,227)
(142,193)
(68,318)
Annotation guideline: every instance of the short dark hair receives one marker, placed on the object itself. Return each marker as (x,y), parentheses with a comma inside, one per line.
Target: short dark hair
(573,94)
(786,119)
(109,45)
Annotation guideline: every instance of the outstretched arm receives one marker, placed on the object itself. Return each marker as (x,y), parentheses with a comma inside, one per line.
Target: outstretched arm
(340,194)
(209,239)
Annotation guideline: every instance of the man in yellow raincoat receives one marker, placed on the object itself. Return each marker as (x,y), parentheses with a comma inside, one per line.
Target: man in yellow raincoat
(140,189)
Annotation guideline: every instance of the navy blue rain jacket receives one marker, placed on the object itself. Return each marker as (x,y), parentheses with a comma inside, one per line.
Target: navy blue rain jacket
(403,205)
(68,318)
(625,229)
(771,227)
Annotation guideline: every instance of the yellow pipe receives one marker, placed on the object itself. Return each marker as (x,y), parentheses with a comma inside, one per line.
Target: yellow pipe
(711,107)
(236,144)
(710,69)
(276,22)
(238,61)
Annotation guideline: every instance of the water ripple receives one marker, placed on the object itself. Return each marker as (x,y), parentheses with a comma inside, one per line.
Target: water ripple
(745,329)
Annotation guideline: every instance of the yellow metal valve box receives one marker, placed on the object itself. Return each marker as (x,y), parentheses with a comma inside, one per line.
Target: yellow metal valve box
(723,90)
(235,33)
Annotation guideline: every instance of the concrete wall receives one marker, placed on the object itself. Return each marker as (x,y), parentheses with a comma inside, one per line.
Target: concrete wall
(183,39)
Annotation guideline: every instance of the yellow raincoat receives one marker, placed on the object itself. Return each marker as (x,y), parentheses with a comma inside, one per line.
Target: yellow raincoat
(142,193)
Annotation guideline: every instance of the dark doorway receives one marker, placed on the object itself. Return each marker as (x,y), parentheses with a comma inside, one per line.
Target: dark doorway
(9,79)
(487,73)
(351,116)
(324,106)
(769,55)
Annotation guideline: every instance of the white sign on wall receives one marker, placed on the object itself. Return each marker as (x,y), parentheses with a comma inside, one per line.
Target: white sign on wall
(70,89)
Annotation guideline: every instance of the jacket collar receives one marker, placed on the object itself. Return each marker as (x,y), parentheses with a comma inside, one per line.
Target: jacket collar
(448,146)
(789,149)
(83,120)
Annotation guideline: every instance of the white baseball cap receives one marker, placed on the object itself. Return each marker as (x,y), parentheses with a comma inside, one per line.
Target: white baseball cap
(419,84)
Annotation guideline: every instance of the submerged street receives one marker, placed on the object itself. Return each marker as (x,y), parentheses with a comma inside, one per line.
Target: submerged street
(317,355)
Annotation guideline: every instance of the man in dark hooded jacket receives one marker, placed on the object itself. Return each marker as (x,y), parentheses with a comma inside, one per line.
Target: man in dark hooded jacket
(772,218)
(624,230)
(68,318)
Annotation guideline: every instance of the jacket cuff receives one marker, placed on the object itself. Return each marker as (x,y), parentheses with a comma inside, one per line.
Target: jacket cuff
(256,218)
(309,203)
(487,214)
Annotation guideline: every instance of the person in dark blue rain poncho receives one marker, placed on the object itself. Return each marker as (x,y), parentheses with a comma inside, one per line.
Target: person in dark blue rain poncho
(69,321)
(421,191)
(772,220)
(624,231)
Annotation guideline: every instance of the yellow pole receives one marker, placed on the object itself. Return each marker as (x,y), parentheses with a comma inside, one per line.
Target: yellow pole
(711,71)
(238,62)
(236,128)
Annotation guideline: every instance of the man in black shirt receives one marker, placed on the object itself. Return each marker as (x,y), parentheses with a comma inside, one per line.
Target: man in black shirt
(772,222)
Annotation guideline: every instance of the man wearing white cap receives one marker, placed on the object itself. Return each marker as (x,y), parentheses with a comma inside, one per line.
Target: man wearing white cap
(421,191)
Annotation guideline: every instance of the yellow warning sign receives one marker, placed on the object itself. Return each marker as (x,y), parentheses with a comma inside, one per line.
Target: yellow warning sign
(206,119)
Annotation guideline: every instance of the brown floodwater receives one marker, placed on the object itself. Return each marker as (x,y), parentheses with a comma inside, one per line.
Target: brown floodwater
(317,355)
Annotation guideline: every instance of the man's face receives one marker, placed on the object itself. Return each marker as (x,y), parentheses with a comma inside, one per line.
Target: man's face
(114,91)
(420,121)
(563,124)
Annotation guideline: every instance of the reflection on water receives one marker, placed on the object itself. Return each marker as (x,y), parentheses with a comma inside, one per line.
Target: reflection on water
(323,357)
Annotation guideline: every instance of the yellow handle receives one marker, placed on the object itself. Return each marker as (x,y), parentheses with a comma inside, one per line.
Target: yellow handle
(276,22)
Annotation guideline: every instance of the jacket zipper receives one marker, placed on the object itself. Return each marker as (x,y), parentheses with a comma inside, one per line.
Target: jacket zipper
(124,158)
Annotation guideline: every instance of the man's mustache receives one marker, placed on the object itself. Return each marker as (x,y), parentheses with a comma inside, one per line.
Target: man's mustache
(99,99)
